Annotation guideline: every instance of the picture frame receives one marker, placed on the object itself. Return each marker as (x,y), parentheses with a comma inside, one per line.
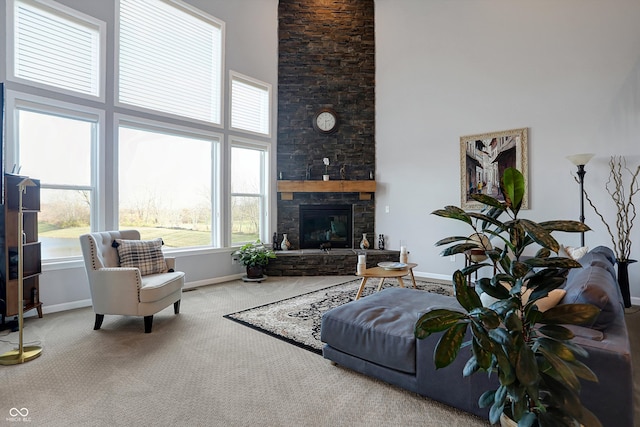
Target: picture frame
(483,159)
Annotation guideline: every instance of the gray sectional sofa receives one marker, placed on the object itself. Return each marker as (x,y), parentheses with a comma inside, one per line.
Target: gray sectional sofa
(374,336)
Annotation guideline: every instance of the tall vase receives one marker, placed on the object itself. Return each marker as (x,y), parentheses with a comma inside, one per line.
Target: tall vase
(623,279)
(364,244)
(286,244)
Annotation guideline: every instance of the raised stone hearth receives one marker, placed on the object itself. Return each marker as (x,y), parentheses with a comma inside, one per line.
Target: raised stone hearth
(315,262)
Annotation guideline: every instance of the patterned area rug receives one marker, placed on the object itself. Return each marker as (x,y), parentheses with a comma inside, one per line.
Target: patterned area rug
(297,319)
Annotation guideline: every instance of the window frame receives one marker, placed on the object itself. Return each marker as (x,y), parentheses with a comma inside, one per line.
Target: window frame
(265,196)
(116,66)
(56,8)
(149,125)
(16,101)
(234,75)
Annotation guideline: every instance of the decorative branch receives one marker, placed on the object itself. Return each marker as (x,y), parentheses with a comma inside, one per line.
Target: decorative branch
(626,209)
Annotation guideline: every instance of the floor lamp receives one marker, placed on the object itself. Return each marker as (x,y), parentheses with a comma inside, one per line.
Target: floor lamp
(21,354)
(580,160)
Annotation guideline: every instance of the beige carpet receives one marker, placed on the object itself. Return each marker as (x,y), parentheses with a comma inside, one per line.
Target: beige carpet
(199,369)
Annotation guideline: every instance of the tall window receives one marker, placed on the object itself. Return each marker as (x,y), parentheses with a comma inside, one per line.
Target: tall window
(56,46)
(170,59)
(249,166)
(250,104)
(165,184)
(56,146)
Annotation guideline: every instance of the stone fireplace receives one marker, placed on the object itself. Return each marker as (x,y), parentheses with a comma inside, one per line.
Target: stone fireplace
(327,225)
(326,60)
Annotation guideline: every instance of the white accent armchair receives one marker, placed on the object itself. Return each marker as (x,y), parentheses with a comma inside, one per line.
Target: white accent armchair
(123,290)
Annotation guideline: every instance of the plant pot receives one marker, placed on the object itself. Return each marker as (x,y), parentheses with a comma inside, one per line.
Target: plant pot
(255,272)
(505,421)
(623,280)
(325,177)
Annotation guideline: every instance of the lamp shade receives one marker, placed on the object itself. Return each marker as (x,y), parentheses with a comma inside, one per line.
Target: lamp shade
(580,159)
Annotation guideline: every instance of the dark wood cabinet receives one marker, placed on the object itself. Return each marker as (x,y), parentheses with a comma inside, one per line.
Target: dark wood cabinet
(10,247)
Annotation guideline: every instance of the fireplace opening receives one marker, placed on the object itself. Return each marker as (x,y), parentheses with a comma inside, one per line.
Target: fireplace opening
(322,224)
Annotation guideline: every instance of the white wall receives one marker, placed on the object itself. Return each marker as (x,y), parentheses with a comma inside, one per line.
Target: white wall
(569,71)
(252,49)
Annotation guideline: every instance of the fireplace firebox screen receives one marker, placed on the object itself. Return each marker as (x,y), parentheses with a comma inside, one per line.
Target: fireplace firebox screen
(322,224)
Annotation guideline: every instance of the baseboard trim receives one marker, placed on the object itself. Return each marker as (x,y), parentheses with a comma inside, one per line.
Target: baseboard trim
(72,305)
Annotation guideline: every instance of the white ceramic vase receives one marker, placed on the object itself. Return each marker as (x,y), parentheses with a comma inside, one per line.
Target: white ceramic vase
(286,244)
(364,244)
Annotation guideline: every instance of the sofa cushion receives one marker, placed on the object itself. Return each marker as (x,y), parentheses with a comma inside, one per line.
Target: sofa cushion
(157,286)
(545,303)
(145,255)
(595,285)
(380,328)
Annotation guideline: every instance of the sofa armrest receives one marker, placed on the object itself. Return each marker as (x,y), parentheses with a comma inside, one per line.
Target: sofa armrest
(610,359)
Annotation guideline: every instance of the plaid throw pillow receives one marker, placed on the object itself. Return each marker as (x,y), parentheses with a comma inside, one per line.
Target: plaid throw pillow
(144,254)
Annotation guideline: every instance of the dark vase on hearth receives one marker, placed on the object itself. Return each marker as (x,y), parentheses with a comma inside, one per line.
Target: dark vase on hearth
(623,279)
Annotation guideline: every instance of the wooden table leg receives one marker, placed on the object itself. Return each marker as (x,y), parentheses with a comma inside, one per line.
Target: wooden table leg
(401,282)
(380,284)
(361,288)
(413,279)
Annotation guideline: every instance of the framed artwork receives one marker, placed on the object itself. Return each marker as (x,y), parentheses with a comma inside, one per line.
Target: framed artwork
(483,159)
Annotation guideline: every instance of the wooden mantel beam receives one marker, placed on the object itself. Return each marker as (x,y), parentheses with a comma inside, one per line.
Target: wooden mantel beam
(365,188)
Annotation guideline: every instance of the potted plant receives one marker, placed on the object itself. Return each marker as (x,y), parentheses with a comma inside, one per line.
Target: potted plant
(255,256)
(529,350)
(622,199)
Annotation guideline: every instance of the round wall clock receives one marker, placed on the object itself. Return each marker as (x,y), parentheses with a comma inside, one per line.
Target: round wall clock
(325,121)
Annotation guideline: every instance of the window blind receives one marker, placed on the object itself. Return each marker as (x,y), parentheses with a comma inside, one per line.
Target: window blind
(55,49)
(249,105)
(170,60)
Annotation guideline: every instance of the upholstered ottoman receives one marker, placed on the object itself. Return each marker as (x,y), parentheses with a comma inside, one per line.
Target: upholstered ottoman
(379,328)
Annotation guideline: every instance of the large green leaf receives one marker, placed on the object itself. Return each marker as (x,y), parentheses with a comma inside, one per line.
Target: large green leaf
(587,418)
(486,316)
(486,398)
(449,345)
(512,321)
(567,226)
(436,321)
(460,248)
(556,331)
(526,366)
(572,314)
(471,367)
(481,337)
(513,188)
(452,239)
(487,219)
(558,348)
(453,212)
(581,370)
(467,271)
(506,373)
(495,411)
(487,200)
(483,357)
(497,291)
(561,369)
(540,235)
(465,294)
(555,262)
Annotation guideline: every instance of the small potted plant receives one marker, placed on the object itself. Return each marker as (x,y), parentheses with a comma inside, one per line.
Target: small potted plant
(255,257)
